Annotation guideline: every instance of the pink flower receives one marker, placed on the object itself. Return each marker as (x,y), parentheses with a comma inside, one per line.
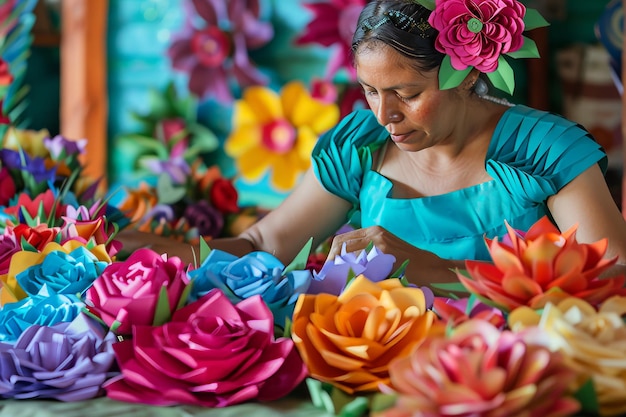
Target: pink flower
(455,312)
(145,289)
(213,354)
(8,247)
(476,33)
(7,186)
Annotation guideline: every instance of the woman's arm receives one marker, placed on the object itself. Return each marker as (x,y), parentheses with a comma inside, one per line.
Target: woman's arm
(308,212)
(587,202)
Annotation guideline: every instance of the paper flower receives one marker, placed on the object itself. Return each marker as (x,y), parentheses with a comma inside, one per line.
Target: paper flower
(592,341)
(477,34)
(332,278)
(8,247)
(144,289)
(277,132)
(7,187)
(36,236)
(482,371)
(207,219)
(44,309)
(67,362)
(256,273)
(333,24)
(349,340)
(212,353)
(455,312)
(541,266)
(213,47)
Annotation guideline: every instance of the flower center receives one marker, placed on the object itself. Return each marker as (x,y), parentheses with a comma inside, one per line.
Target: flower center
(279,136)
(211,46)
(474,25)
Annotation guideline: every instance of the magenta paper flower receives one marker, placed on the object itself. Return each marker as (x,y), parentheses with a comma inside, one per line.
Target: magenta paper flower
(481,371)
(7,186)
(144,289)
(333,24)
(457,311)
(8,247)
(68,361)
(475,33)
(216,54)
(212,353)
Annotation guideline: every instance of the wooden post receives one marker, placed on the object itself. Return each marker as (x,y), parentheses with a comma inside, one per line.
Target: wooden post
(84,104)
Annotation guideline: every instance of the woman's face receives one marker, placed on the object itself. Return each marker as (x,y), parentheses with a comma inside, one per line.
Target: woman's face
(408,103)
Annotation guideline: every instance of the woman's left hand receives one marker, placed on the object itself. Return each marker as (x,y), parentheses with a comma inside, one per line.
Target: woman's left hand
(424,267)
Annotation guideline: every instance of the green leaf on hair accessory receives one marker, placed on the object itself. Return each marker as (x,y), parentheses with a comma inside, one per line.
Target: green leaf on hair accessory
(528,50)
(429,4)
(450,77)
(534,20)
(503,77)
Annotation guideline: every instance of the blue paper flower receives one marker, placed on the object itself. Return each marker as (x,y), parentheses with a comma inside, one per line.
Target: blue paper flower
(67,361)
(333,276)
(63,273)
(256,273)
(45,309)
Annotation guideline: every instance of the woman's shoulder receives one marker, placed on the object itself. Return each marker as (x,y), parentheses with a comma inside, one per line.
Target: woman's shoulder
(357,129)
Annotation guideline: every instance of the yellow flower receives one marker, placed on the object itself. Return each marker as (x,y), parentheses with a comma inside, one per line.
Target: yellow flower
(277,132)
(29,141)
(349,340)
(592,340)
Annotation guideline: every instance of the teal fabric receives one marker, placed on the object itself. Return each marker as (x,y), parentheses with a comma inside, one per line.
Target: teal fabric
(532,155)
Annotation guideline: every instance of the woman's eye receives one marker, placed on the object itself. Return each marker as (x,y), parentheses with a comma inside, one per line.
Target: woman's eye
(407,98)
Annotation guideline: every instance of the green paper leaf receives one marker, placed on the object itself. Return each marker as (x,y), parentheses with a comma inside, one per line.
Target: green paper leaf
(399,273)
(114,326)
(449,286)
(381,402)
(450,77)
(184,296)
(299,262)
(205,250)
(429,4)
(369,246)
(503,78)
(287,329)
(319,397)
(350,277)
(533,20)
(168,192)
(162,313)
(528,50)
(588,398)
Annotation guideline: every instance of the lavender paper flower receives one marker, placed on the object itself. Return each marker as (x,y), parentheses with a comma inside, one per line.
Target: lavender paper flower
(256,273)
(67,362)
(207,219)
(332,278)
(44,309)
(63,273)
(60,147)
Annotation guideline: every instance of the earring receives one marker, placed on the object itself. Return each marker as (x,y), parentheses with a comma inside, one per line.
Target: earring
(480,87)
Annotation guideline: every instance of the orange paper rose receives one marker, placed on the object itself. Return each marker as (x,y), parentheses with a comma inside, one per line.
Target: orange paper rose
(349,340)
(542,266)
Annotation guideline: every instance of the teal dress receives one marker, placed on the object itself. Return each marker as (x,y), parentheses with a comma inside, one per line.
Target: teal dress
(532,155)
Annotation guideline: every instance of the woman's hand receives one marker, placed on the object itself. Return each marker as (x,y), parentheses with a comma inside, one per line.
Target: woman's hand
(424,267)
(133,239)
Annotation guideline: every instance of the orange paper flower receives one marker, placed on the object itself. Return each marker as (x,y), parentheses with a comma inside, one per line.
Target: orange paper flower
(349,340)
(542,266)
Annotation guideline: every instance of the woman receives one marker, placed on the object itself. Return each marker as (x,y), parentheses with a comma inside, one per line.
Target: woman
(430,170)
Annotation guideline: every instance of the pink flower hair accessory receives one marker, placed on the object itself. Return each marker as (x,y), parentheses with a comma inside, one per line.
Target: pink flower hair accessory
(478,34)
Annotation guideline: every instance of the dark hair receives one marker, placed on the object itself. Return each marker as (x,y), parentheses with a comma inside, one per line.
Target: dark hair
(403,25)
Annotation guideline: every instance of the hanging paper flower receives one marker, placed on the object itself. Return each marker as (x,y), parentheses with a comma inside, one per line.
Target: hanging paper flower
(481,371)
(541,266)
(592,341)
(215,53)
(68,361)
(349,340)
(212,353)
(477,34)
(333,24)
(277,132)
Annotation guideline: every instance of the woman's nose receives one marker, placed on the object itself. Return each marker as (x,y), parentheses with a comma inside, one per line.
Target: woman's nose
(388,113)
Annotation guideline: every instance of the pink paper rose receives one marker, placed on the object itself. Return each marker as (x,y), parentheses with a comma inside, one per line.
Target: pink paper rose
(212,353)
(475,33)
(129,292)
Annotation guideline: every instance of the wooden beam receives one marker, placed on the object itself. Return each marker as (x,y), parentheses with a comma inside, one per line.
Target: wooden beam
(84,104)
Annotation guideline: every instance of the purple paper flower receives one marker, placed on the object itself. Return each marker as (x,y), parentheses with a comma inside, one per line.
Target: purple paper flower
(68,361)
(333,276)
(44,309)
(215,53)
(256,273)
(177,168)
(207,219)
(63,273)
(212,353)
(23,162)
(60,147)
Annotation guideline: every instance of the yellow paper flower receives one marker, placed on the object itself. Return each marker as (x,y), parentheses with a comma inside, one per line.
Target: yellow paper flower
(349,340)
(21,261)
(544,265)
(29,141)
(592,340)
(277,132)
